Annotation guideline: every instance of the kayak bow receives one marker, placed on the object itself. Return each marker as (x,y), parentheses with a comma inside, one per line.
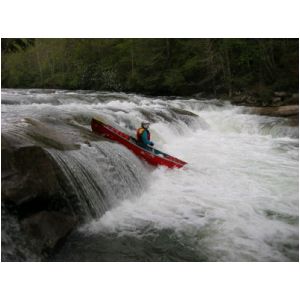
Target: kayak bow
(152,156)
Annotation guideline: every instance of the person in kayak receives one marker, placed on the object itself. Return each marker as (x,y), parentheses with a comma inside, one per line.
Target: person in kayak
(143,136)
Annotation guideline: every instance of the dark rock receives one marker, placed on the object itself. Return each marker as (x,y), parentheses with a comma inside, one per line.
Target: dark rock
(47,228)
(243,99)
(28,173)
(276,101)
(38,207)
(238,99)
(32,181)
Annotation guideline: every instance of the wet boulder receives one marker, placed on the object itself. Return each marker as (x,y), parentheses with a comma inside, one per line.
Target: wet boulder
(36,199)
(28,173)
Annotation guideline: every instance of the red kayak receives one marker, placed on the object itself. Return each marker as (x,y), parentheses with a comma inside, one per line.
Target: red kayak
(152,156)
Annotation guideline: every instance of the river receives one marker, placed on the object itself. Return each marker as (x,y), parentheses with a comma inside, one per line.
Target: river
(237,199)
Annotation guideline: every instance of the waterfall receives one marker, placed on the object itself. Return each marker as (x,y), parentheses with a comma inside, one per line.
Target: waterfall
(101,174)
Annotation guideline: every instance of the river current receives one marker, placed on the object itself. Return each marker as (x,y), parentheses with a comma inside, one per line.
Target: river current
(237,199)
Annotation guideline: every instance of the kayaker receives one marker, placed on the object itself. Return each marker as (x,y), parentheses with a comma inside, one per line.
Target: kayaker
(143,135)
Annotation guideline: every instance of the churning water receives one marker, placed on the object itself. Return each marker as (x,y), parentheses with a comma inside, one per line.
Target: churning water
(236,200)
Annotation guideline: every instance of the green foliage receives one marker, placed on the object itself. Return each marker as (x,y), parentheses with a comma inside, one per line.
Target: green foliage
(15,45)
(154,66)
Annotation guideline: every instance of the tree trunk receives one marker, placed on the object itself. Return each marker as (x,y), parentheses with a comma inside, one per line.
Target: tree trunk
(39,66)
(228,76)
(132,58)
(168,50)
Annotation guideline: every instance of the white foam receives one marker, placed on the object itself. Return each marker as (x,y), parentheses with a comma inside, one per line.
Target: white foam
(234,177)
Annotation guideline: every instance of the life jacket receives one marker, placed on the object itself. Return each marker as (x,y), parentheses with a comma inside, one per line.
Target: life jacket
(139,133)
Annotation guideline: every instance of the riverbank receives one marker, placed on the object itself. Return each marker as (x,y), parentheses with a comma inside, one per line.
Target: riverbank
(272,99)
(281,104)
(276,104)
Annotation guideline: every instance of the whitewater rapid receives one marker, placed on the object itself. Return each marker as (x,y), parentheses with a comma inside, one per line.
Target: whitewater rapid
(236,200)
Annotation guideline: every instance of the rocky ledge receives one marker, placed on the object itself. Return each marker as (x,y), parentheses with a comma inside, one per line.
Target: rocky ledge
(280,111)
(274,99)
(39,209)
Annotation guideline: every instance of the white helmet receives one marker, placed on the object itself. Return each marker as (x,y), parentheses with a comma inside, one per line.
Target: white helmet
(145,125)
